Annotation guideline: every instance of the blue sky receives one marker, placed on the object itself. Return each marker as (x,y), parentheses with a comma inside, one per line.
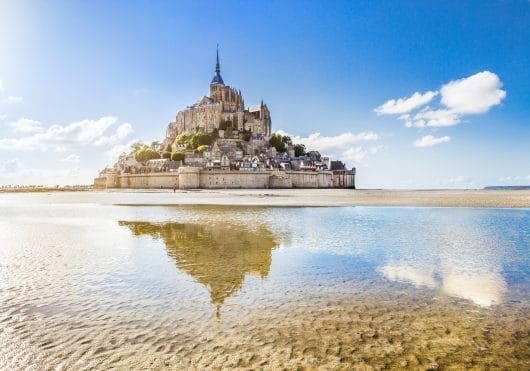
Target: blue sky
(80,80)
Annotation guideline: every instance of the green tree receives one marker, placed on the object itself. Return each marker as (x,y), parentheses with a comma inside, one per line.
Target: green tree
(177,156)
(145,154)
(276,142)
(202,148)
(181,139)
(200,139)
(299,150)
(287,140)
(136,146)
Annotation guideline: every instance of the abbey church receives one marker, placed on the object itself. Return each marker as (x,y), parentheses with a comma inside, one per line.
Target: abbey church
(224,105)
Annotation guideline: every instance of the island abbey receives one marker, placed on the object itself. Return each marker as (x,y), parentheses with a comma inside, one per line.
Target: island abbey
(224,104)
(219,143)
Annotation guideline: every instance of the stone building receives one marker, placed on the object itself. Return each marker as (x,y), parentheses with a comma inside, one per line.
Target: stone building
(224,105)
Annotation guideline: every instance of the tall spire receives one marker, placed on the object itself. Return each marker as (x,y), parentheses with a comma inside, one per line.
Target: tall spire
(217,66)
(217,79)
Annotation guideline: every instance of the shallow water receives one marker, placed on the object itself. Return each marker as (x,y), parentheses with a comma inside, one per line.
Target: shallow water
(96,285)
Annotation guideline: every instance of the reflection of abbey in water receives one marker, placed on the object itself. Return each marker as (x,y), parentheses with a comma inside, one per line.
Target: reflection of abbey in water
(217,256)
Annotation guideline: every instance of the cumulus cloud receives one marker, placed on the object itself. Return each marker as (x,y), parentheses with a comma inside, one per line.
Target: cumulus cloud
(11,166)
(358,155)
(430,140)
(471,95)
(25,125)
(121,133)
(8,98)
(14,172)
(13,99)
(118,149)
(79,133)
(349,147)
(434,118)
(405,105)
(474,94)
(71,158)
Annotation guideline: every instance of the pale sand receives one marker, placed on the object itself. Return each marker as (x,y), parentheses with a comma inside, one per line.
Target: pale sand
(336,197)
(289,197)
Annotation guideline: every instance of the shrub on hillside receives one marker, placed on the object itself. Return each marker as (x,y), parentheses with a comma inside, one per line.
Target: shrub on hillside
(145,153)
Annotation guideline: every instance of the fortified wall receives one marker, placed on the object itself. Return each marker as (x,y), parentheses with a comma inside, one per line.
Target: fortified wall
(194,178)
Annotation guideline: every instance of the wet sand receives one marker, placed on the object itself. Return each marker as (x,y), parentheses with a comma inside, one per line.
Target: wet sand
(343,197)
(325,332)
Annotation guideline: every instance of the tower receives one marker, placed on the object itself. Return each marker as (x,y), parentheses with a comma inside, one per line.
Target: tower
(217,79)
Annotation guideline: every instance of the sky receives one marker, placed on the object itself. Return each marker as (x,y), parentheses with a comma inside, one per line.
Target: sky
(414,94)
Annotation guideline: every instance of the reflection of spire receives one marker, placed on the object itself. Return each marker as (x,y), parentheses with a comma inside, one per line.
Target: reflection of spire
(218,256)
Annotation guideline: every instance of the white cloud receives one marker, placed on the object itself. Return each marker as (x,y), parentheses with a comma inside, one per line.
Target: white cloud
(471,95)
(435,118)
(121,133)
(342,141)
(345,146)
(474,94)
(71,158)
(358,155)
(118,149)
(11,166)
(13,99)
(14,172)
(429,141)
(25,125)
(460,179)
(10,98)
(79,133)
(3,116)
(405,105)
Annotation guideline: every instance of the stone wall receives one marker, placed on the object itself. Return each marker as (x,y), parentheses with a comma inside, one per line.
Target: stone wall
(280,181)
(194,177)
(152,180)
(311,179)
(234,179)
(189,177)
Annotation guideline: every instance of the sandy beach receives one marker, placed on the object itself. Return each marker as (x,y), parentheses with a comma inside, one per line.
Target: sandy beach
(300,197)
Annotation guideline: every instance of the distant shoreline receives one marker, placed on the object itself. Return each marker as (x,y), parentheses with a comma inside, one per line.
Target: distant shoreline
(32,189)
(290,197)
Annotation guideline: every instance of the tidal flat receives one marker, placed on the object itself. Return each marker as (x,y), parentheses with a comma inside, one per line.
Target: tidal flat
(132,280)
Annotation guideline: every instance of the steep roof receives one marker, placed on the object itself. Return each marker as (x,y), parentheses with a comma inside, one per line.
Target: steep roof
(217,79)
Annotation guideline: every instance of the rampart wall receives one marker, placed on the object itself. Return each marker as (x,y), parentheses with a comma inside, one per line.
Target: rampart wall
(193,177)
